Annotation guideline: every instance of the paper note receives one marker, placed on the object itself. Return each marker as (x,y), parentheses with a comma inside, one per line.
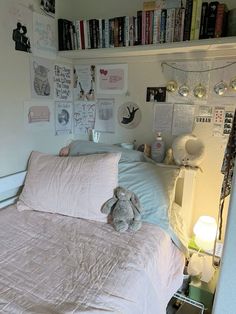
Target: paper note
(105,121)
(183,117)
(162,117)
(63,82)
(84,117)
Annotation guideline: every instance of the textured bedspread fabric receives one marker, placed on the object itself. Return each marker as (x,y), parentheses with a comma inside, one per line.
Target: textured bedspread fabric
(55,264)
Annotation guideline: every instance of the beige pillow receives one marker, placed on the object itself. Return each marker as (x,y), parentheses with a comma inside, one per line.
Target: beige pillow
(72,186)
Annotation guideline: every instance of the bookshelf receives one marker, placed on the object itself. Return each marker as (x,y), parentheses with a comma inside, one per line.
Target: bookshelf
(214,47)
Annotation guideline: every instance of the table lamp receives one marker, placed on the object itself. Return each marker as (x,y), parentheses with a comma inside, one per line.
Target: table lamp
(205,231)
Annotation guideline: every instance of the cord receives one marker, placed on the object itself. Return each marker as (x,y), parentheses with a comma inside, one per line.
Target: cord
(197,71)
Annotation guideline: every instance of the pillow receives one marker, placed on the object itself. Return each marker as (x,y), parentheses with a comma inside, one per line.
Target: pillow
(79,147)
(72,186)
(154,184)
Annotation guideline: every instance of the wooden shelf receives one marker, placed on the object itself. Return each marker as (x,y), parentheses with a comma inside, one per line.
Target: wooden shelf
(221,47)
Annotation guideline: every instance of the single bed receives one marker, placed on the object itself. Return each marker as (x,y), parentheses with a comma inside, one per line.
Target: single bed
(51,262)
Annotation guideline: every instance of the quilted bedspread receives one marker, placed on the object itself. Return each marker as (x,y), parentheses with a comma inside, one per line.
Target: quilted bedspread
(55,264)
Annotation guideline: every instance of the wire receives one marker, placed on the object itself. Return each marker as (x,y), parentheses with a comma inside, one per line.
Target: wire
(197,71)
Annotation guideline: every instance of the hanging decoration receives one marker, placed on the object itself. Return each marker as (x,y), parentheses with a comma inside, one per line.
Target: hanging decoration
(233,84)
(171,86)
(220,88)
(200,91)
(129,115)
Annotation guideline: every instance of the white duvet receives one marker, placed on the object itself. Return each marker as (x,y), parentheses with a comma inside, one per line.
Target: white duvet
(56,264)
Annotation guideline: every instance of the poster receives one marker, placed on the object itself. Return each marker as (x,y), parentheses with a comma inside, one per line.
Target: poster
(112,79)
(41,78)
(129,115)
(84,117)
(45,40)
(48,6)
(183,117)
(38,116)
(63,118)
(105,121)
(84,82)
(20,20)
(63,82)
(163,113)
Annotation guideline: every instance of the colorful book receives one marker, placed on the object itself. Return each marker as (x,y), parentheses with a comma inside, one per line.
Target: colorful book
(203,23)
(211,22)
(198,19)
(193,19)
(220,20)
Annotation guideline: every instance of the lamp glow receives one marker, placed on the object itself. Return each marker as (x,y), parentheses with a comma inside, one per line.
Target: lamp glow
(205,232)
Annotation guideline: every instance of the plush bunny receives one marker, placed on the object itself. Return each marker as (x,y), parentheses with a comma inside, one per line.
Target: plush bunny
(125,210)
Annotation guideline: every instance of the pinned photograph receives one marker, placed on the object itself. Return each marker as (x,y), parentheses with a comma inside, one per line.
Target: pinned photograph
(156,94)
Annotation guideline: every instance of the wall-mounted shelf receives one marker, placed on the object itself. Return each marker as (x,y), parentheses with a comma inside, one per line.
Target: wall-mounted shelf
(214,47)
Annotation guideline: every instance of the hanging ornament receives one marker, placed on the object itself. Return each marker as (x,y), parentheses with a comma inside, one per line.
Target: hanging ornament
(233,83)
(171,86)
(220,88)
(184,90)
(199,91)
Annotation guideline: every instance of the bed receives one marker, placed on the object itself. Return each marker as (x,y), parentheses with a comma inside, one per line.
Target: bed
(55,259)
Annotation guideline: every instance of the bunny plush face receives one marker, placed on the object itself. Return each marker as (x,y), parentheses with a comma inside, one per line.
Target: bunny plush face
(123,194)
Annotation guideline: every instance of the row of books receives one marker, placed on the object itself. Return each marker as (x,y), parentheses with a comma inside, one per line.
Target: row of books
(195,20)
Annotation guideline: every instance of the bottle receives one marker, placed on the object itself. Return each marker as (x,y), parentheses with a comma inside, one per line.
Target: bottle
(158,149)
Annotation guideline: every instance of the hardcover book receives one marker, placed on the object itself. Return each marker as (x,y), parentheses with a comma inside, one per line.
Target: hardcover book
(203,23)
(220,20)
(188,19)
(211,23)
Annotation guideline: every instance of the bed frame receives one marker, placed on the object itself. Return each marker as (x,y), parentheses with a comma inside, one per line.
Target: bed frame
(10,187)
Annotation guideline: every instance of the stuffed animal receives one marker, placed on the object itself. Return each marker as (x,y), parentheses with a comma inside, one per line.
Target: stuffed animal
(125,210)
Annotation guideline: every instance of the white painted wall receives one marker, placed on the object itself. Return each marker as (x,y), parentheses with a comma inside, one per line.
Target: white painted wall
(16,143)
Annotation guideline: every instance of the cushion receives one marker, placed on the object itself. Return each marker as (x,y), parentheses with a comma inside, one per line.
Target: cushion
(79,147)
(72,186)
(154,184)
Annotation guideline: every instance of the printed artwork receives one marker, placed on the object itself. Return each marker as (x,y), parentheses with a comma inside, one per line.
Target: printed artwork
(63,82)
(112,79)
(84,82)
(129,115)
(41,78)
(104,121)
(48,6)
(44,44)
(84,117)
(63,118)
(20,19)
(38,116)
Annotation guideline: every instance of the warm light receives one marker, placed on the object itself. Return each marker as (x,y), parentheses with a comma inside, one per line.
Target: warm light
(205,232)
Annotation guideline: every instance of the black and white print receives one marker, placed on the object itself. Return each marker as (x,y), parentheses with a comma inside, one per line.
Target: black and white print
(48,6)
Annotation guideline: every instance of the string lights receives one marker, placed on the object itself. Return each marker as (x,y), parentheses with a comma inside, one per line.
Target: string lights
(199,91)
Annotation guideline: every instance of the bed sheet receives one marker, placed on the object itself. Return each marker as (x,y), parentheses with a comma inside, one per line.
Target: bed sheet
(56,264)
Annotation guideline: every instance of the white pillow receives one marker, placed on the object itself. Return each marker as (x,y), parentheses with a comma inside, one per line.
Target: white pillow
(72,186)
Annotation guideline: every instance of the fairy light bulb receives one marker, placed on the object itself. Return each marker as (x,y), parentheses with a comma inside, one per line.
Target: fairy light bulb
(171,86)
(233,84)
(199,91)
(220,88)
(184,90)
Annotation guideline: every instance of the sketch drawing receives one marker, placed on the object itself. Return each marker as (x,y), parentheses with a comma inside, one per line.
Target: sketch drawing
(22,41)
(41,82)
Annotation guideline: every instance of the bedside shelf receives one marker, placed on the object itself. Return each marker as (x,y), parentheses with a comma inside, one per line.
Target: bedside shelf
(221,47)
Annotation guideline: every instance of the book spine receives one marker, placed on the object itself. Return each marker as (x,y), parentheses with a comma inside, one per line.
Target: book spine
(61,34)
(103,34)
(121,31)
(203,24)
(139,27)
(198,19)
(85,35)
(100,34)
(193,20)
(182,24)
(151,27)
(82,34)
(106,22)
(116,30)
(127,31)
(163,25)
(68,38)
(170,20)
(188,19)
(88,34)
(77,30)
(111,33)
(219,20)
(147,27)
(75,36)
(177,25)
(212,11)
(143,40)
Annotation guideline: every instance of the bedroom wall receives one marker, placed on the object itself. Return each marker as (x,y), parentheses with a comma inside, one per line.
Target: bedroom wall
(15,141)
(144,72)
